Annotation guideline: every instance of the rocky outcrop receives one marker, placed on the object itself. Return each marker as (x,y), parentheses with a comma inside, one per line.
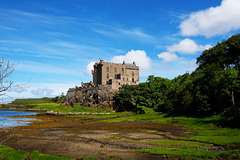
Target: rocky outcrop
(89,95)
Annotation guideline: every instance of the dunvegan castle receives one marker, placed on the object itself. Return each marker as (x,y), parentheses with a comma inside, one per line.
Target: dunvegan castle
(107,78)
(115,74)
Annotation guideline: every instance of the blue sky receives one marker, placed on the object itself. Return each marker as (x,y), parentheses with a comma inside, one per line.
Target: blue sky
(54,43)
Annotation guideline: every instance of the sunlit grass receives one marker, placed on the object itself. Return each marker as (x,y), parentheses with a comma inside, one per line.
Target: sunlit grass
(197,153)
(179,144)
(39,156)
(7,153)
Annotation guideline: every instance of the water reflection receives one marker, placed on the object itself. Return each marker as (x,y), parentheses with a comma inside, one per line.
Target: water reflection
(6,120)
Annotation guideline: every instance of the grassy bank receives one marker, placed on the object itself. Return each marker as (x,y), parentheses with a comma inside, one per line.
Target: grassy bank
(51,105)
(7,153)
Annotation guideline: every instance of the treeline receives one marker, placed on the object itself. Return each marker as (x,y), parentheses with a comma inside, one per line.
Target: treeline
(212,89)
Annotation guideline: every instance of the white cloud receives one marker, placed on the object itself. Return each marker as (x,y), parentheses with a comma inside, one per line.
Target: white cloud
(89,68)
(136,33)
(19,89)
(42,92)
(168,57)
(213,21)
(39,90)
(187,46)
(140,57)
(113,31)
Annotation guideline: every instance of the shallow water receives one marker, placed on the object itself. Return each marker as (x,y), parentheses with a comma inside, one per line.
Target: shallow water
(6,120)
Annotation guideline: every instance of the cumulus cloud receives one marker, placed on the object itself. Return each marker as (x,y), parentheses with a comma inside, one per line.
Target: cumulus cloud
(187,46)
(168,57)
(89,68)
(140,57)
(42,92)
(213,21)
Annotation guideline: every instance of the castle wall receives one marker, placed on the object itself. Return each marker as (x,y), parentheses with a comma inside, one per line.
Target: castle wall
(115,74)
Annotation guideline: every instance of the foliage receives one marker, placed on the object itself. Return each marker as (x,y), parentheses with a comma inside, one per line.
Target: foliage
(125,99)
(212,89)
(150,94)
(58,99)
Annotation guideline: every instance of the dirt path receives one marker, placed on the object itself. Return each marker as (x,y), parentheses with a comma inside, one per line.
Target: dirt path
(86,137)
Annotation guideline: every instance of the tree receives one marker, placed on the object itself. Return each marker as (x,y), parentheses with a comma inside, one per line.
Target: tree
(125,99)
(6,69)
(226,54)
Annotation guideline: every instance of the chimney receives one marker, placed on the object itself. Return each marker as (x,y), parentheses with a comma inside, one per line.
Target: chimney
(123,62)
(134,63)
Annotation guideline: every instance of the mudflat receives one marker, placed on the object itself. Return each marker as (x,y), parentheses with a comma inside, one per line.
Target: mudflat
(88,137)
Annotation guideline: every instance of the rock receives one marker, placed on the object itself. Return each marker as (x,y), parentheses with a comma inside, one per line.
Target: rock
(100,95)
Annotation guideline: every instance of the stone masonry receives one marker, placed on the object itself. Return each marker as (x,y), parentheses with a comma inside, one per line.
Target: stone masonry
(115,74)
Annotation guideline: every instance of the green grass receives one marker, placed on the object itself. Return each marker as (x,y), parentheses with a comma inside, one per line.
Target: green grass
(19,155)
(197,153)
(220,140)
(39,156)
(31,101)
(7,153)
(179,144)
(4,150)
(47,106)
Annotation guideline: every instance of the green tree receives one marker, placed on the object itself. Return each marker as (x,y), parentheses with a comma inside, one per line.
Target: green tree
(124,100)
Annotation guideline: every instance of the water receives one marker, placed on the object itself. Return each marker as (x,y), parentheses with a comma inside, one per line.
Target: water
(7,122)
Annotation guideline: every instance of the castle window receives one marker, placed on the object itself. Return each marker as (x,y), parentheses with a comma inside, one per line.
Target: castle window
(117,76)
(107,69)
(122,70)
(132,73)
(133,80)
(115,69)
(123,78)
(107,76)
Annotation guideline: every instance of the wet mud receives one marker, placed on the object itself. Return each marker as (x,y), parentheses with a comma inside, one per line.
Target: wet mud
(87,137)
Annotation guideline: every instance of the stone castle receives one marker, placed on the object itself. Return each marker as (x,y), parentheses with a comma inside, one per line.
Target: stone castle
(115,74)
(107,78)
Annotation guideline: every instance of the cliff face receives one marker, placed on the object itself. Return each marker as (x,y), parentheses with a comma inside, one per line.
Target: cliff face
(90,95)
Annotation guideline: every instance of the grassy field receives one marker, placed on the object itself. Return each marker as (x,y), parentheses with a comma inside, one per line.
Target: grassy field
(203,133)
(7,153)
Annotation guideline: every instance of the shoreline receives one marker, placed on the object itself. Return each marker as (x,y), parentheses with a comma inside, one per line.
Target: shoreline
(49,112)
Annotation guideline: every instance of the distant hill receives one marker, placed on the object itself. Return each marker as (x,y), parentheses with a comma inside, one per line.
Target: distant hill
(29,101)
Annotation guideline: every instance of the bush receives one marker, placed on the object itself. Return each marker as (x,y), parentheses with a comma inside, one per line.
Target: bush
(230,117)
